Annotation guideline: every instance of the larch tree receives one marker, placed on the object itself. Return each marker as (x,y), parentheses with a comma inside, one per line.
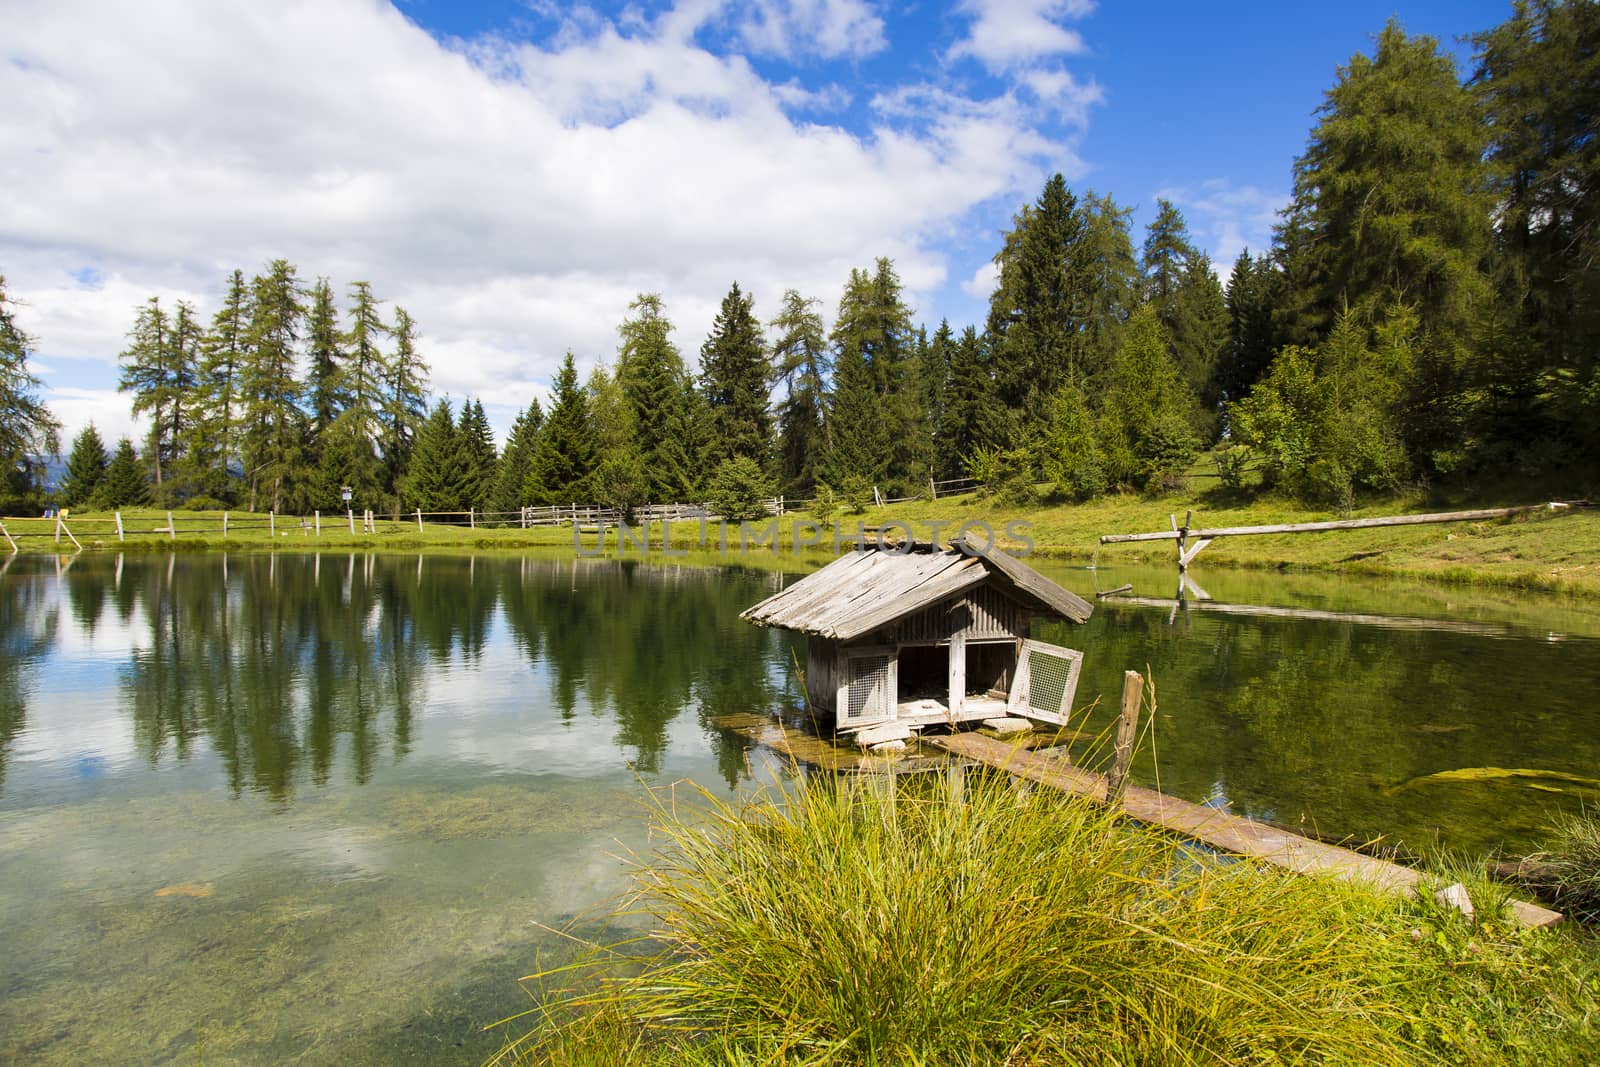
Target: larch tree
(405,400)
(801,363)
(222,355)
(325,358)
(274,425)
(28,431)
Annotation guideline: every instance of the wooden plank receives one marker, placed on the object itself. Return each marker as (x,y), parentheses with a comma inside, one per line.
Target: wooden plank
(944,584)
(1335,524)
(1389,622)
(1218,829)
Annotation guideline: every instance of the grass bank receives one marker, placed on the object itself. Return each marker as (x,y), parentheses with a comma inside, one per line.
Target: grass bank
(1556,552)
(874,922)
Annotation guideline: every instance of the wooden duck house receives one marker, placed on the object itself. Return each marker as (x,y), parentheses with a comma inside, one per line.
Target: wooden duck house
(922,635)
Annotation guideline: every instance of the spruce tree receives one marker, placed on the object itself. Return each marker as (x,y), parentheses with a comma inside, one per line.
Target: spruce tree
(516,461)
(1199,333)
(86,468)
(800,358)
(735,375)
(433,482)
(879,429)
(125,484)
(475,457)
(564,457)
(665,407)
(1252,297)
(971,417)
(1149,410)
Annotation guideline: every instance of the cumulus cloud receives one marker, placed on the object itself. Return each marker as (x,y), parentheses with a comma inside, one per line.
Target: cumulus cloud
(1009,33)
(1226,218)
(512,195)
(983,281)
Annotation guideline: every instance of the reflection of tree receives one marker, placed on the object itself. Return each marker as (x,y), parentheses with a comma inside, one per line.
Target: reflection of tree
(28,617)
(1297,719)
(643,643)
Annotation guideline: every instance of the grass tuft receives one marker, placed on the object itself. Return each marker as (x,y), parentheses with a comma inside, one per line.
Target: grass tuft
(966,921)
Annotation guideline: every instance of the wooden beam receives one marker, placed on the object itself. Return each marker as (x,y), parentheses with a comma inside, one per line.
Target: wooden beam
(13,543)
(1218,829)
(1336,524)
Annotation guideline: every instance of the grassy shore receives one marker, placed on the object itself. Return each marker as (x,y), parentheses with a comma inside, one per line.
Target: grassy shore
(911,922)
(1551,551)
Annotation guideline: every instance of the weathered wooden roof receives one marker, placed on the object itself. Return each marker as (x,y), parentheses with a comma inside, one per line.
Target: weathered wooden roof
(863,590)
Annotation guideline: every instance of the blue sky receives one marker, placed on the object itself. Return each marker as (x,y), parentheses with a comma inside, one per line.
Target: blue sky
(513,171)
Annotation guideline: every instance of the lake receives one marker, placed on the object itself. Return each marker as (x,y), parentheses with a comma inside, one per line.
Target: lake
(328,808)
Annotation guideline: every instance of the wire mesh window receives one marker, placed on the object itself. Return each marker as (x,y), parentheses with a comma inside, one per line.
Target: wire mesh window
(868,694)
(1050,678)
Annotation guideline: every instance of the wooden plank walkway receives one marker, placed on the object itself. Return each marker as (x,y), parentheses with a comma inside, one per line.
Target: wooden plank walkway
(1218,829)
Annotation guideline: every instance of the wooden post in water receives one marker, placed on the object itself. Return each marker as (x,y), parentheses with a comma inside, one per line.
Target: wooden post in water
(1127,733)
(119,528)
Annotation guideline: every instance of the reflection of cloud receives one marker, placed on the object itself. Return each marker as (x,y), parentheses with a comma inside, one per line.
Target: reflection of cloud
(1226,219)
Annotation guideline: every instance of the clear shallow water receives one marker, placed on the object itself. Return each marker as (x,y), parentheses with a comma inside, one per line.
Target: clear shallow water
(322,809)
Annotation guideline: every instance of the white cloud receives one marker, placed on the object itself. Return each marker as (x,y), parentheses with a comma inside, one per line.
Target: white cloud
(1011,33)
(106,408)
(512,196)
(1225,219)
(983,281)
(828,28)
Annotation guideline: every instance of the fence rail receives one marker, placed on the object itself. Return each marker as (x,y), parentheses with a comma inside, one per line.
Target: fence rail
(65,526)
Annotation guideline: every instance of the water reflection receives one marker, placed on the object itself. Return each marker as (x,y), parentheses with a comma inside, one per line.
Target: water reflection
(289,667)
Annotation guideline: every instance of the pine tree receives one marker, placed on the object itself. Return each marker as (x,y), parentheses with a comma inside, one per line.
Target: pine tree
(125,484)
(564,457)
(433,482)
(274,425)
(800,358)
(475,457)
(517,460)
(735,375)
(86,468)
(28,431)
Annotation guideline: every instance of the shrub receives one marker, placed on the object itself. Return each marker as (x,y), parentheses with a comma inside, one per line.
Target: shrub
(740,489)
(857,494)
(202,502)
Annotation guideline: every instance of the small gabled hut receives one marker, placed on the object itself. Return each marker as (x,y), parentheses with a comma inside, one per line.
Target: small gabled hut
(921,635)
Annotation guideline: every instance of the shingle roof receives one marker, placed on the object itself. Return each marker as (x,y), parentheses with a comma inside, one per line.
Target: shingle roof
(859,592)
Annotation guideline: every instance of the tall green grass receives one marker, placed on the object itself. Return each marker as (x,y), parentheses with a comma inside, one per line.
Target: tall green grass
(973,921)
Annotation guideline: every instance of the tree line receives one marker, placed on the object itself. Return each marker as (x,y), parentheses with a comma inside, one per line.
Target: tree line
(1425,312)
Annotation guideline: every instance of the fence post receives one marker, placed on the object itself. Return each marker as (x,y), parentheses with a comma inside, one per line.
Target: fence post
(272,523)
(3,530)
(224,524)
(119,527)
(877,497)
(58,526)
(172,531)
(472,518)
(419,520)
(933,490)
(68,532)
(316,517)
(1127,732)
